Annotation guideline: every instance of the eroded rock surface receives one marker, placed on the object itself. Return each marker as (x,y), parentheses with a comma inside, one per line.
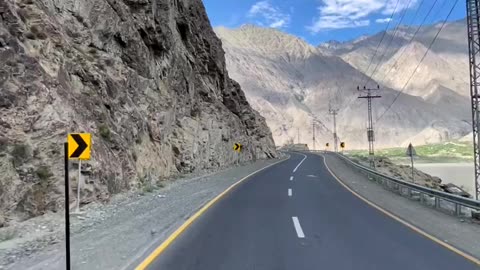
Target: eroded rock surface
(146,77)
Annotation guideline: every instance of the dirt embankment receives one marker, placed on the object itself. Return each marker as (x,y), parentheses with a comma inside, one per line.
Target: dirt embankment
(403,172)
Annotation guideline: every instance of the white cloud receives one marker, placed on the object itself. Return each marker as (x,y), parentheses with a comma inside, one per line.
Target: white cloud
(267,14)
(383,20)
(336,14)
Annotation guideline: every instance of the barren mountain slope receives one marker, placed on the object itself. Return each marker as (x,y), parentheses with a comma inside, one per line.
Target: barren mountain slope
(146,78)
(446,64)
(289,86)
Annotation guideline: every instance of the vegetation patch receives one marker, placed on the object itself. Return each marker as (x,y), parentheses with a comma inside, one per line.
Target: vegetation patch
(439,152)
(148,188)
(7,234)
(20,153)
(44,173)
(105,132)
(3,145)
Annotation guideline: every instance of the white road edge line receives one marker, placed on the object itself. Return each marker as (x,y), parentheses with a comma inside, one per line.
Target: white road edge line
(289,192)
(305,157)
(291,178)
(298,228)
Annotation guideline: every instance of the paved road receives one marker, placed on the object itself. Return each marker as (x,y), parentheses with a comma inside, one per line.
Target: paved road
(309,222)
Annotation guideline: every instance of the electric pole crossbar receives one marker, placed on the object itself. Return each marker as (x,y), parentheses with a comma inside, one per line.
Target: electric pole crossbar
(367,93)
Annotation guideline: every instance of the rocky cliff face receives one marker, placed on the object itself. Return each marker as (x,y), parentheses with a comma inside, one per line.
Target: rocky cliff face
(146,77)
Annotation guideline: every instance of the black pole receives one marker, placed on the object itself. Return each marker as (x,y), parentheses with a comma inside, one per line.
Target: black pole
(67,211)
(411,159)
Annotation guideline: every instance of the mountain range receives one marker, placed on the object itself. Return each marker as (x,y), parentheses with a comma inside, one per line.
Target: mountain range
(293,84)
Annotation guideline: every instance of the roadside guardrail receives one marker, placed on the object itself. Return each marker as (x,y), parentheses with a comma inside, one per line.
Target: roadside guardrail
(446,202)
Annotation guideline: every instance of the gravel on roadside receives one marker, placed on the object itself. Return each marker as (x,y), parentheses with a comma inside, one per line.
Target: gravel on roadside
(117,234)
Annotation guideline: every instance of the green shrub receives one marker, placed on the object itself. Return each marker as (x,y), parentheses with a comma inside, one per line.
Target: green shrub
(7,234)
(44,173)
(20,153)
(3,145)
(105,132)
(148,188)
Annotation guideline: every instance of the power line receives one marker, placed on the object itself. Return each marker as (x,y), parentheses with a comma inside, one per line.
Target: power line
(404,49)
(374,54)
(381,40)
(395,31)
(419,63)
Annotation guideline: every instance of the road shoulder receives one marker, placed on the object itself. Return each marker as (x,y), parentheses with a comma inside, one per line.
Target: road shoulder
(117,235)
(460,233)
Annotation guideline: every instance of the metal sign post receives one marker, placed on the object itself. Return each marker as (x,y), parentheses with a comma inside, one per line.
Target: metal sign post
(78,185)
(237,147)
(411,152)
(67,211)
(342,145)
(77,147)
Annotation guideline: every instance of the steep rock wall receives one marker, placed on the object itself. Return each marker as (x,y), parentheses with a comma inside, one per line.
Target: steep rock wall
(146,77)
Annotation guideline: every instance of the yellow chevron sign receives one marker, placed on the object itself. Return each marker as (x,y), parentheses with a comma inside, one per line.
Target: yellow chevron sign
(237,147)
(79,146)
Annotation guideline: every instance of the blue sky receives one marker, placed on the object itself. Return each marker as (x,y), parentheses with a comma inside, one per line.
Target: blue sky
(317,21)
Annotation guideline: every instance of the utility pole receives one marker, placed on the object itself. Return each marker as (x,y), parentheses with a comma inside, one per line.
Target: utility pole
(473,25)
(335,140)
(370,133)
(313,132)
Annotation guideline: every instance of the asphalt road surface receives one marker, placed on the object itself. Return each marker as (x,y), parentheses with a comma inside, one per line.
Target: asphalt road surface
(295,215)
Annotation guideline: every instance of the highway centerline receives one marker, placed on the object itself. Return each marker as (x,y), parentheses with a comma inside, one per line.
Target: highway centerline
(298,228)
(291,178)
(289,192)
(305,157)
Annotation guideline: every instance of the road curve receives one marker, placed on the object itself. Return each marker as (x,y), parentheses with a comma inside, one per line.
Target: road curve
(281,219)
